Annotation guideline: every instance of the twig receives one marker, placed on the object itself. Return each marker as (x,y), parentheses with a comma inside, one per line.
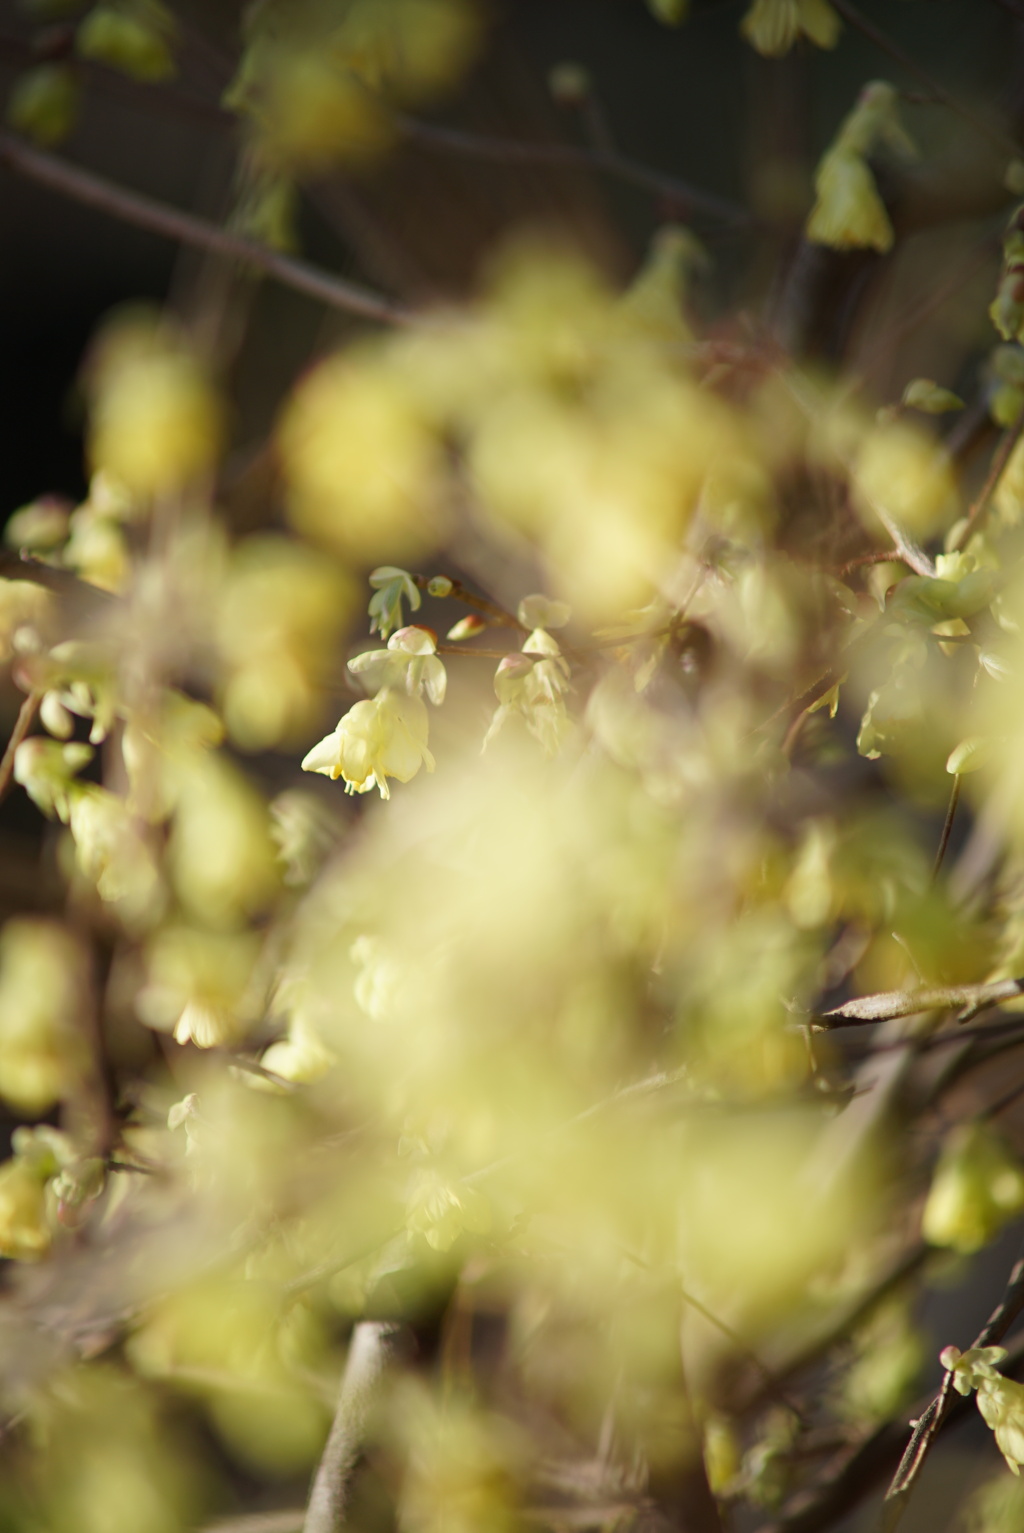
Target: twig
(929,1424)
(879,556)
(1001,1103)
(842,1324)
(1000,459)
(769,1383)
(469,649)
(835,1498)
(22,725)
(157,218)
(887,1005)
(490,609)
(260,1522)
(919,312)
(947,828)
(881,40)
(369,1353)
(946,1036)
(511,151)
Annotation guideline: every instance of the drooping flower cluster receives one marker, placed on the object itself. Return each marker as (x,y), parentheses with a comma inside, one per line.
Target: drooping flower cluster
(386,735)
(1000,1400)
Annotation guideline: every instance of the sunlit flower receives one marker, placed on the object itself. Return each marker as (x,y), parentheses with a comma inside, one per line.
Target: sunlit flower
(533,684)
(409,664)
(378,738)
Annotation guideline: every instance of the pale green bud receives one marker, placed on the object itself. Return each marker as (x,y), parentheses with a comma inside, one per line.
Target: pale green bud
(44,103)
(133,38)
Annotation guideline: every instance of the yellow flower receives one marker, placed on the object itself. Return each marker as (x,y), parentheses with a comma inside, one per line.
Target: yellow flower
(978,1187)
(1001,1403)
(25,1232)
(848,213)
(381,737)
(773,26)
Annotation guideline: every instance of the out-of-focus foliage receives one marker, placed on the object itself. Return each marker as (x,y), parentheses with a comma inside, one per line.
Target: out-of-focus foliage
(535,1059)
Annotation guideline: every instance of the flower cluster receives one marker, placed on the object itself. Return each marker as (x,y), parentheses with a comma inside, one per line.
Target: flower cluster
(1000,1400)
(386,735)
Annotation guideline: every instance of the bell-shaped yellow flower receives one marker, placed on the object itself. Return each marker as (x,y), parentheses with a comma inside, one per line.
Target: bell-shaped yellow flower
(378,738)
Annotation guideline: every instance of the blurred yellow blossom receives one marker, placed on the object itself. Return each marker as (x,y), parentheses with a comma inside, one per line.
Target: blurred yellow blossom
(364,469)
(43,980)
(280,616)
(977,1188)
(773,26)
(155,419)
(200,985)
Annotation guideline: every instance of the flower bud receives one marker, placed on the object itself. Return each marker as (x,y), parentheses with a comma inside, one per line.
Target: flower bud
(467,627)
(44,103)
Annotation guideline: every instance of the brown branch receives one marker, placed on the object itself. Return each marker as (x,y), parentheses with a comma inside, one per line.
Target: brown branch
(882,41)
(22,725)
(947,828)
(835,1498)
(1000,459)
(144,212)
(887,1005)
(511,151)
(916,314)
(929,1424)
(458,592)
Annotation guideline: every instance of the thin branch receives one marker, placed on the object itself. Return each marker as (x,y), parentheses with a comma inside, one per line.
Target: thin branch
(929,1424)
(770,1385)
(834,1498)
(1000,459)
(946,1036)
(947,828)
(260,1522)
(916,314)
(459,592)
(840,1326)
(510,151)
(887,1005)
(144,212)
(879,556)
(882,41)
(22,725)
(369,1354)
(1001,1103)
(468,649)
